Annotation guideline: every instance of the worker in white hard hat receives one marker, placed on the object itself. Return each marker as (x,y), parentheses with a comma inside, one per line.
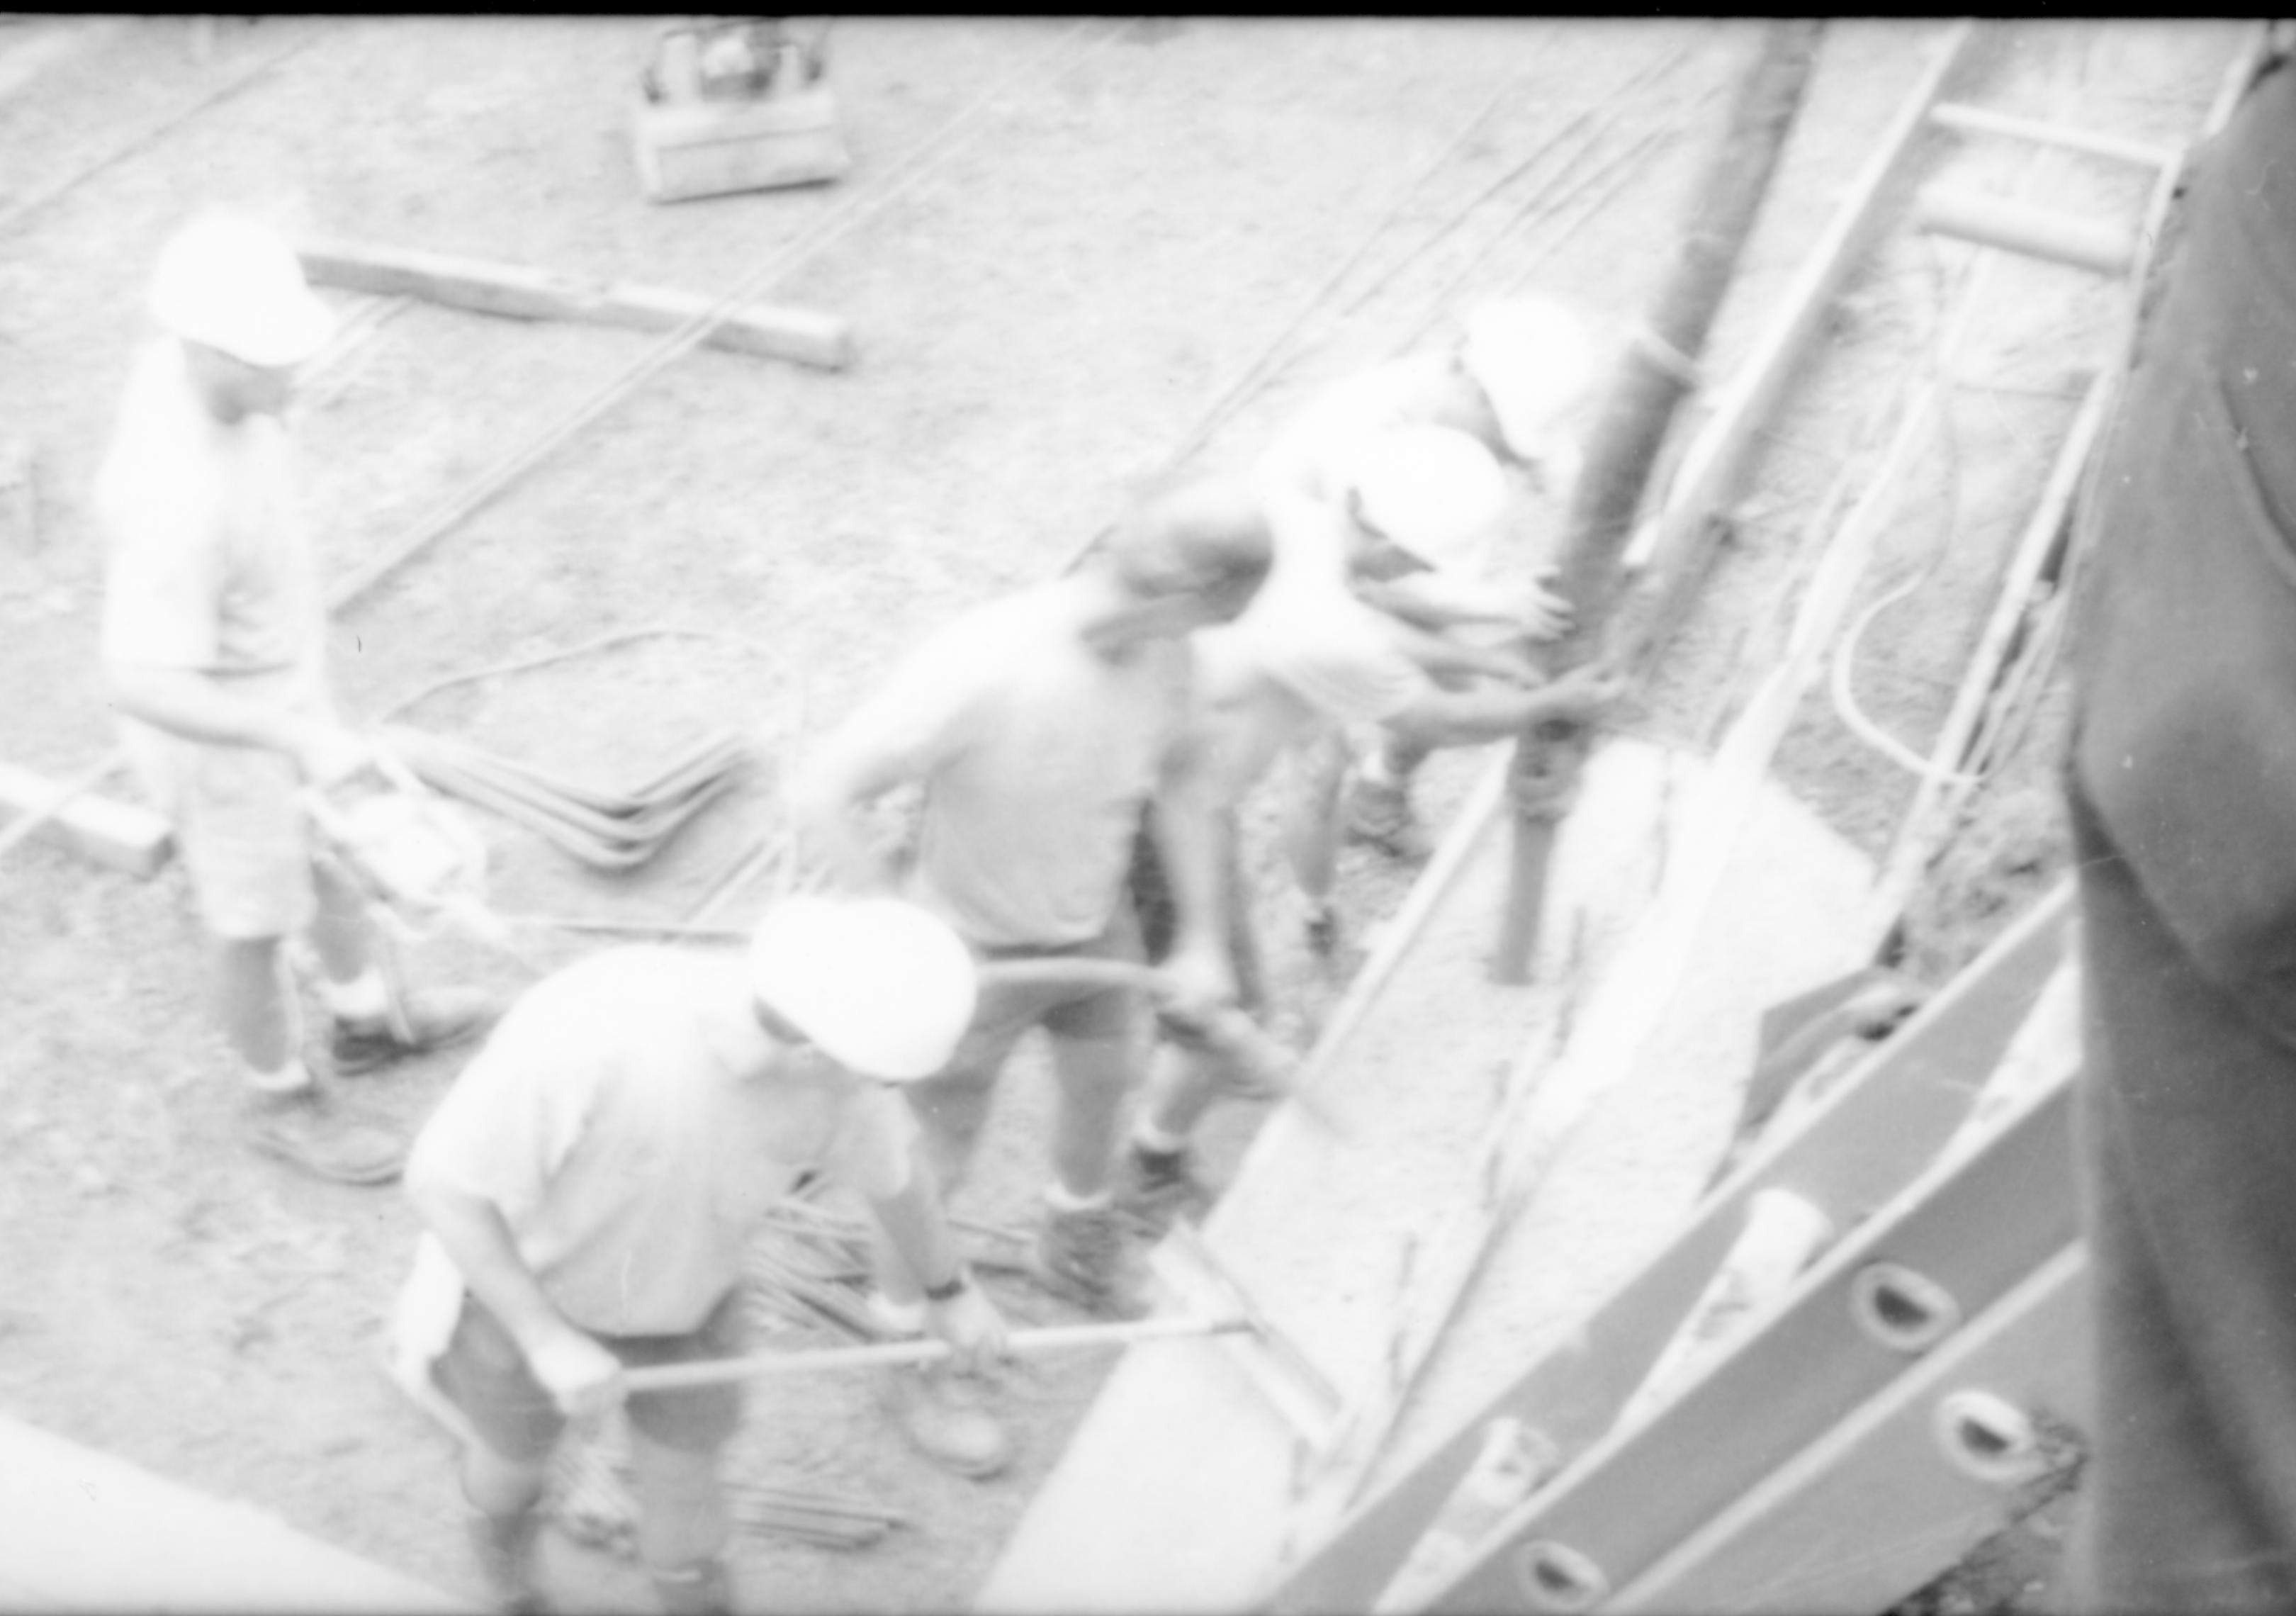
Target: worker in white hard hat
(214,645)
(1514,379)
(1309,659)
(590,1187)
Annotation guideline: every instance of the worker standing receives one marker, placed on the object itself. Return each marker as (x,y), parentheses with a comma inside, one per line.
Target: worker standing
(1039,727)
(1510,381)
(590,1185)
(2183,805)
(214,644)
(1311,657)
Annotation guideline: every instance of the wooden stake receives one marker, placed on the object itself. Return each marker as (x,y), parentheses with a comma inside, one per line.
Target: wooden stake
(513,290)
(1659,370)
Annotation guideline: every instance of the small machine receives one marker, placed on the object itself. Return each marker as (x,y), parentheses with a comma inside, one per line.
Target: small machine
(738,104)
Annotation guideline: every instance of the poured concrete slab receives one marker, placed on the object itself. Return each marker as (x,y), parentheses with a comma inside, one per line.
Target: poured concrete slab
(1183,1487)
(81,1530)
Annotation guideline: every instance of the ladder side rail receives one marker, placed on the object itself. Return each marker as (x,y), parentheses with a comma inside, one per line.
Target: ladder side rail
(1883,1124)
(1972,1229)
(1899,1491)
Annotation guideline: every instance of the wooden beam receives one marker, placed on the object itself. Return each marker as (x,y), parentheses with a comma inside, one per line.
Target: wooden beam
(118,834)
(822,341)
(1981,120)
(2040,232)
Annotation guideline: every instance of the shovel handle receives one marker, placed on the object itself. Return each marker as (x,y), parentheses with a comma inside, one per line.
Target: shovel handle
(714,1372)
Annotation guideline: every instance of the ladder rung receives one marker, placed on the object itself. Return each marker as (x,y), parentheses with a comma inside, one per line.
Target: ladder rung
(1977,120)
(2036,232)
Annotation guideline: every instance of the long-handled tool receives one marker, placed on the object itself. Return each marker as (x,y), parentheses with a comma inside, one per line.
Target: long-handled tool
(1023,1343)
(1212,1305)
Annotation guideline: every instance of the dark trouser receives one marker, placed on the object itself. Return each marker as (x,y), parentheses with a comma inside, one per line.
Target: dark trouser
(1151,889)
(2188,1144)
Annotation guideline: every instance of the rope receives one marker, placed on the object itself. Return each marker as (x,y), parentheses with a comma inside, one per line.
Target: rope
(682,341)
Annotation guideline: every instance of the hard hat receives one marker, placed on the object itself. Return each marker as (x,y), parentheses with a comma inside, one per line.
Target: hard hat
(1433,491)
(879,986)
(236,285)
(1535,361)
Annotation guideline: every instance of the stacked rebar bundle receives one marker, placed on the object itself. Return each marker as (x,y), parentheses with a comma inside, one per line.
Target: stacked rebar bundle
(608,830)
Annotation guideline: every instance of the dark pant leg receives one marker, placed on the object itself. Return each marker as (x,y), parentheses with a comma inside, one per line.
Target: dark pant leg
(2187,1142)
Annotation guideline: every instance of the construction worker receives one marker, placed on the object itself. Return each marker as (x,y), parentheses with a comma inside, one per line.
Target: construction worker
(2183,806)
(1510,381)
(214,644)
(1040,726)
(1311,657)
(590,1185)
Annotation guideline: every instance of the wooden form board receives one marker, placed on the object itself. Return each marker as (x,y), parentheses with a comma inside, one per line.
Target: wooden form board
(822,341)
(117,834)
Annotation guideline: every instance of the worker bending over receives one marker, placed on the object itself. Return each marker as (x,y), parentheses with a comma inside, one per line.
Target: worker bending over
(1040,726)
(591,1184)
(1510,381)
(214,644)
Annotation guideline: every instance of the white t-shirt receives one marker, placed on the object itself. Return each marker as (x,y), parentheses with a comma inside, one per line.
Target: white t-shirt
(208,566)
(630,1163)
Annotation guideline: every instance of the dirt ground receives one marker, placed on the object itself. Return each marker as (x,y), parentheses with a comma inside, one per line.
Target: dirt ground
(1112,244)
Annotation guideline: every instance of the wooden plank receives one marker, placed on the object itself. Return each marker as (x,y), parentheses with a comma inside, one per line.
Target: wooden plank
(61,813)
(822,341)
(1879,1505)
(1981,120)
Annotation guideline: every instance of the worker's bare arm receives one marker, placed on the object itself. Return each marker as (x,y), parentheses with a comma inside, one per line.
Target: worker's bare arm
(1440,654)
(922,716)
(1437,602)
(913,1224)
(1466,718)
(201,706)
(580,1374)
(828,803)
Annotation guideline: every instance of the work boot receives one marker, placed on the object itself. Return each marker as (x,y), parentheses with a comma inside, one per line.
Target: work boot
(413,1025)
(309,1128)
(1154,1187)
(505,1549)
(943,1420)
(1079,1257)
(1379,815)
